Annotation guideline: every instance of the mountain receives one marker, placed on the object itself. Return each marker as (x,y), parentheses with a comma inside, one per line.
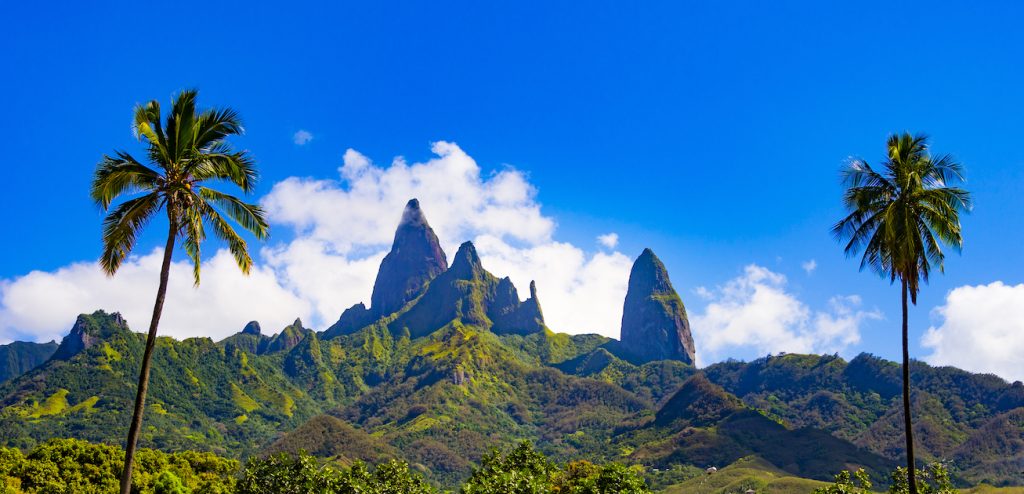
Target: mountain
(698,402)
(706,425)
(19,357)
(415,259)
(288,338)
(251,339)
(449,363)
(955,412)
(654,324)
(466,292)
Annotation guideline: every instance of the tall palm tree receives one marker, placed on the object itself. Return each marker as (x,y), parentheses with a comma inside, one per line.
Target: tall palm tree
(186,152)
(901,215)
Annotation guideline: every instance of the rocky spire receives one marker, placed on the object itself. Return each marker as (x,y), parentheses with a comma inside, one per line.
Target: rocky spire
(252,328)
(510,316)
(654,324)
(415,259)
(287,339)
(353,319)
(89,329)
(466,265)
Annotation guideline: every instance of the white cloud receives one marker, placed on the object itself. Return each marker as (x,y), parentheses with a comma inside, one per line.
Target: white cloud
(704,293)
(302,137)
(809,266)
(345,226)
(755,312)
(981,330)
(42,305)
(609,240)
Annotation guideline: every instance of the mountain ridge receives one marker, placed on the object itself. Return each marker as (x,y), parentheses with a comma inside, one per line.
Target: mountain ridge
(464,366)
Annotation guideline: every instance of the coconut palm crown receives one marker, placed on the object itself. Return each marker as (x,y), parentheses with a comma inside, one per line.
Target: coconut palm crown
(189,151)
(902,214)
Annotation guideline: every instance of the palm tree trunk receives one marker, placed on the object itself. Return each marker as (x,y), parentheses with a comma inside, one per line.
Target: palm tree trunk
(140,395)
(908,427)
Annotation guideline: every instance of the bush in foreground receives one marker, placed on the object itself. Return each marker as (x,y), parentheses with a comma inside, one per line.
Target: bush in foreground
(63,466)
(932,480)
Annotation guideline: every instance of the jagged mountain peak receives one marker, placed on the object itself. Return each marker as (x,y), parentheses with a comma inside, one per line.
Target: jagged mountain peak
(654,322)
(467,264)
(88,330)
(353,319)
(413,215)
(415,258)
(252,328)
(467,293)
(287,339)
(649,274)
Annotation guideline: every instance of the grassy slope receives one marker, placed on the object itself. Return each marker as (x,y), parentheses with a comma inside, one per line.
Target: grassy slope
(747,473)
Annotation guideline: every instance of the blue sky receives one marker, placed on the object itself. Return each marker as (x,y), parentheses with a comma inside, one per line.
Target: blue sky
(712,132)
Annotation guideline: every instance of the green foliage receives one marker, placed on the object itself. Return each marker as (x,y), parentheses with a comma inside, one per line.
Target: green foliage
(844,484)
(19,357)
(526,471)
(521,471)
(168,483)
(302,474)
(932,480)
(613,478)
(71,466)
(284,474)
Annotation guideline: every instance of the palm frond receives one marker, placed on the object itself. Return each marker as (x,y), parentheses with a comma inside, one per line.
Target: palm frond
(119,175)
(193,234)
(236,244)
(249,216)
(146,126)
(214,125)
(121,227)
(221,163)
(179,125)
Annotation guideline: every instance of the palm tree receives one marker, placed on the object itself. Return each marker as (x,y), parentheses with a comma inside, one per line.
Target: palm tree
(900,216)
(186,152)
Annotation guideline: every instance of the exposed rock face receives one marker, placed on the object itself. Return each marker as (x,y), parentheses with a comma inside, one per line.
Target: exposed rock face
(287,339)
(654,324)
(252,328)
(251,339)
(353,319)
(468,293)
(511,316)
(88,330)
(415,259)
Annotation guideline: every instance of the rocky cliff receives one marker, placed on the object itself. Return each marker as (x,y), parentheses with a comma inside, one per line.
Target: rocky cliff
(654,324)
(415,258)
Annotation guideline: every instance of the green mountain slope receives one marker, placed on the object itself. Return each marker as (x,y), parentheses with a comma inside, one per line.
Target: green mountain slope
(746,473)
(860,401)
(19,357)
